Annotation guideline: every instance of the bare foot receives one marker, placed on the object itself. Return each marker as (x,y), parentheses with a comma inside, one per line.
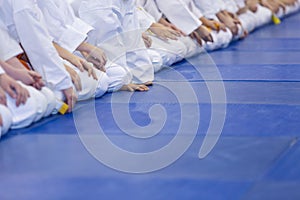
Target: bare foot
(134,87)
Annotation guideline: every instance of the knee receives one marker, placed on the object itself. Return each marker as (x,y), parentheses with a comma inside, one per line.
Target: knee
(51,101)
(118,77)
(156,59)
(23,115)
(226,38)
(40,102)
(102,86)
(181,49)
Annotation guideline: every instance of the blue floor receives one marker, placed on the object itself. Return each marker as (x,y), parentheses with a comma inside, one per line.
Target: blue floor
(254,84)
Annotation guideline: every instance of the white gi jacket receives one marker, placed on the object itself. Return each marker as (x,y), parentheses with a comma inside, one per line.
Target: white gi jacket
(151,7)
(210,8)
(67,30)
(9,47)
(5,114)
(181,14)
(25,23)
(117,31)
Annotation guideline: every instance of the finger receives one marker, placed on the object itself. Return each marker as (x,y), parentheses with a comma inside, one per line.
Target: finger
(70,103)
(234,30)
(25,95)
(88,67)
(217,26)
(163,37)
(99,57)
(3,100)
(94,74)
(142,88)
(76,81)
(90,72)
(74,100)
(206,38)
(80,67)
(78,85)
(150,42)
(35,75)
(178,30)
(103,69)
(18,96)
(197,38)
(223,27)
(11,92)
(37,86)
(236,21)
(41,83)
(96,63)
(147,42)
(129,88)
(2,97)
(79,82)
(103,60)
(172,36)
(176,33)
(210,38)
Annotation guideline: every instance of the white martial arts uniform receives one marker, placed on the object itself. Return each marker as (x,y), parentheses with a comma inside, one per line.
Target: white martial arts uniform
(187,18)
(291,9)
(183,18)
(191,46)
(261,17)
(69,32)
(171,51)
(247,19)
(210,8)
(25,23)
(10,48)
(33,110)
(6,119)
(221,38)
(117,32)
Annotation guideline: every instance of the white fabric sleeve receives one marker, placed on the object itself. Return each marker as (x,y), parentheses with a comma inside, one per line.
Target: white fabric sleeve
(145,19)
(240,3)
(37,43)
(9,47)
(67,30)
(193,8)
(151,7)
(231,6)
(183,18)
(209,8)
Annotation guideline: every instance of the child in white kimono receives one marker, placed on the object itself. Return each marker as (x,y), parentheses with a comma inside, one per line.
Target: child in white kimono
(24,22)
(117,31)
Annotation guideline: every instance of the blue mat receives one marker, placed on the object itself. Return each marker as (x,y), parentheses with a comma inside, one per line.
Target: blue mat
(257,89)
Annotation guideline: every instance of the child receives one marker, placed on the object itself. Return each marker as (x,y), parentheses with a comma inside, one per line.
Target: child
(117,31)
(25,23)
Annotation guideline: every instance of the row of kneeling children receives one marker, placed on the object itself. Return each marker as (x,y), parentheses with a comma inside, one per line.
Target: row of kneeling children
(58,51)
